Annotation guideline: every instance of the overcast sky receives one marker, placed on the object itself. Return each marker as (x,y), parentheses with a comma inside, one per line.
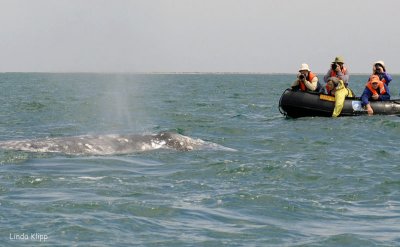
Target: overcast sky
(266,36)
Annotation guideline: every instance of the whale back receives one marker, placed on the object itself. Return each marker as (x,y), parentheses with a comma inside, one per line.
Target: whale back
(109,144)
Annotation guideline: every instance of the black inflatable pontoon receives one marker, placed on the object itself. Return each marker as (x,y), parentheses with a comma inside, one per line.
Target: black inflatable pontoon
(297,104)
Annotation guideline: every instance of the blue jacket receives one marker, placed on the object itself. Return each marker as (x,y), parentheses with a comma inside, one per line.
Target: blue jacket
(385,77)
(367,95)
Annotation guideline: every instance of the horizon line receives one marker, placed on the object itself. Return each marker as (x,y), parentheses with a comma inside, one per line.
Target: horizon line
(172,72)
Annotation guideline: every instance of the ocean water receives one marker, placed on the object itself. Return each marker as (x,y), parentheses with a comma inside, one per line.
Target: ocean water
(288,182)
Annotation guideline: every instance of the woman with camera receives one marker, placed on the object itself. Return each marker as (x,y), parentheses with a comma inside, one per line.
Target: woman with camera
(379,69)
(339,71)
(306,80)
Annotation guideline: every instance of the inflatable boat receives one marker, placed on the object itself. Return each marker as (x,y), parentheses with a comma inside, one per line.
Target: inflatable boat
(297,104)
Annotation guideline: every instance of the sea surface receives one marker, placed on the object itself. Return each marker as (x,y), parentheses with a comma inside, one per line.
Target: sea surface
(279,182)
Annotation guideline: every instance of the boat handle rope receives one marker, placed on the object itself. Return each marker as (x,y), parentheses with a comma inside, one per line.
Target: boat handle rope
(280,103)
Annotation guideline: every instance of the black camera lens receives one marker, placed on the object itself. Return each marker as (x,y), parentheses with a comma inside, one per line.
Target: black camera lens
(302,77)
(334,66)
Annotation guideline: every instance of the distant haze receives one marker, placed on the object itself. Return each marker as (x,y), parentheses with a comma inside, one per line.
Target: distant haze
(258,36)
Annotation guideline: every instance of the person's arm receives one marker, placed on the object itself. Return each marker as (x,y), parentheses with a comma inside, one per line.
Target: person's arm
(369,109)
(312,85)
(388,78)
(386,96)
(339,102)
(365,97)
(344,77)
(327,75)
(365,101)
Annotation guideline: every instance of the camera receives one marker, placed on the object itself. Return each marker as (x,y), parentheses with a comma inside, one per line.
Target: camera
(334,66)
(378,69)
(302,77)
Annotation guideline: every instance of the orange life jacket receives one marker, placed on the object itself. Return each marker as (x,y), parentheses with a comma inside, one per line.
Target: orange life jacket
(309,78)
(333,74)
(381,87)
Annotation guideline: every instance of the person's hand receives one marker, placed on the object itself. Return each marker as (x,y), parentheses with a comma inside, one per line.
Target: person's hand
(370,110)
(378,70)
(375,96)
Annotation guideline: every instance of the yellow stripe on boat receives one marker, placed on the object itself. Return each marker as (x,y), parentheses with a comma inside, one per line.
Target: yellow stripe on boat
(326,97)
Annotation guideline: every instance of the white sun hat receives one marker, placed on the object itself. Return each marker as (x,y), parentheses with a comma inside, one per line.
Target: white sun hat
(381,63)
(304,66)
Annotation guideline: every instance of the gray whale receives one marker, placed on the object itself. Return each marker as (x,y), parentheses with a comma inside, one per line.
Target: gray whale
(110,144)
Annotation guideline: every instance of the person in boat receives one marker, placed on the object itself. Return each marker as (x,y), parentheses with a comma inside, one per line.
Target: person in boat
(337,88)
(339,71)
(307,80)
(375,90)
(379,69)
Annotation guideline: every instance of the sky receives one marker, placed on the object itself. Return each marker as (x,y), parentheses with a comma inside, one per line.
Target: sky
(237,36)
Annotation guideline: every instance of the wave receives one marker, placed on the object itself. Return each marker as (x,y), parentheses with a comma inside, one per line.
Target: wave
(111,144)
